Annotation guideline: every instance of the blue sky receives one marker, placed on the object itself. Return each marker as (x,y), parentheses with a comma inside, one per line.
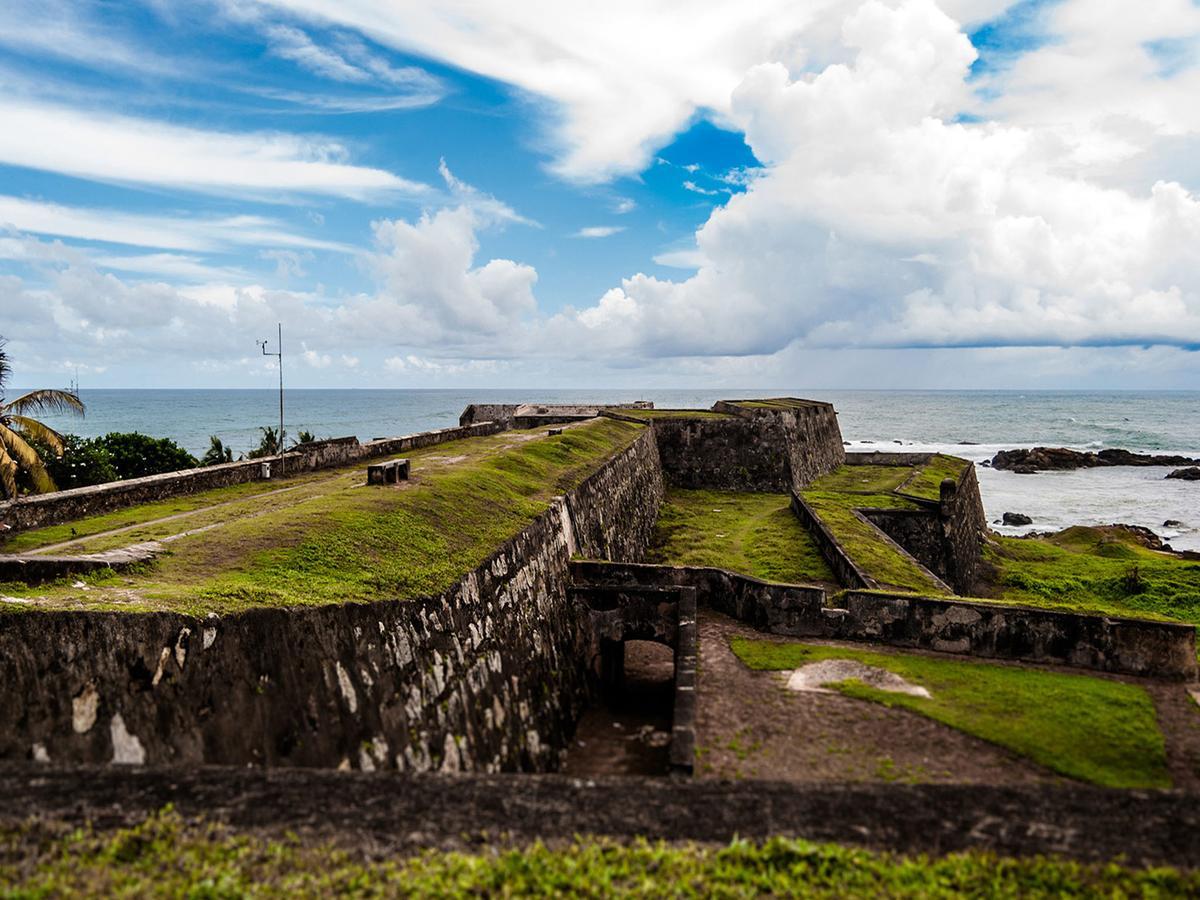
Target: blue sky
(548,194)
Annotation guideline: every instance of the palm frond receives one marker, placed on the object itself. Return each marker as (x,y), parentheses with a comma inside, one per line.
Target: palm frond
(45,400)
(32,429)
(8,474)
(25,457)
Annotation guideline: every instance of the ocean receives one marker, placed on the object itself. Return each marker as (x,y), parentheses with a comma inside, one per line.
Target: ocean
(973,424)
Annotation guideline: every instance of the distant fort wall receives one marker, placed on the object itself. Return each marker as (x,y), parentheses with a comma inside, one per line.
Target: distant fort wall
(486,676)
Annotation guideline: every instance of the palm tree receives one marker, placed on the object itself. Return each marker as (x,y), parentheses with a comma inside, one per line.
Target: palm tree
(17,428)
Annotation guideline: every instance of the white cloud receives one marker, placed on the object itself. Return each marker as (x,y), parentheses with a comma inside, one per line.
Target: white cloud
(313,358)
(696,189)
(599,231)
(624,205)
(879,222)
(106,147)
(167,232)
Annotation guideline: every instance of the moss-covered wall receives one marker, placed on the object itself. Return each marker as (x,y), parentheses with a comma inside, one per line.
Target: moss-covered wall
(486,676)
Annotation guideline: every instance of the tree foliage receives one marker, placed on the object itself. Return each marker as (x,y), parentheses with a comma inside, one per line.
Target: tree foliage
(20,462)
(217,453)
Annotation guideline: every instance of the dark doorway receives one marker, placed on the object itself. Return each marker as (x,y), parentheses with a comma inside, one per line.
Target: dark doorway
(628,731)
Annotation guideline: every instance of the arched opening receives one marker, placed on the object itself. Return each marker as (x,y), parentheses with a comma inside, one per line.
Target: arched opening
(628,730)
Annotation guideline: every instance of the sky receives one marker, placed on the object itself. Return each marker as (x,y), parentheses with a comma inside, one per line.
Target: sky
(639,193)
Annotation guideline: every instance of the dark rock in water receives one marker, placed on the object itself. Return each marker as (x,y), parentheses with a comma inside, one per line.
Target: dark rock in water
(1011,518)
(1024,470)
(1060,458)
(987,463)
(968,443)
(1189,474)
(1171,523)
(897,442)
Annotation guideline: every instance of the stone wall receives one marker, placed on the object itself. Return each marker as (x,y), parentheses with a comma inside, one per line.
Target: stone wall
(1103,643)
(994,631)
(751,449)
(759,603)
(918,531)
(964,528)
(486,676)
(41,510)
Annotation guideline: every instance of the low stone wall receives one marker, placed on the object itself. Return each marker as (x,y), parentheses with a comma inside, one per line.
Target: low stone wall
(1103,643)
(994,631)
(34,569)
(486,676)
(758,603)
(42,510)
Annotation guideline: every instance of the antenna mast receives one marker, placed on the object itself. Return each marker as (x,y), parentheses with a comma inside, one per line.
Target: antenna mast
(279,356)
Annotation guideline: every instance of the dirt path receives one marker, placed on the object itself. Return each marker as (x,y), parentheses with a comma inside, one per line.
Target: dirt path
(750,726)
(1179,721)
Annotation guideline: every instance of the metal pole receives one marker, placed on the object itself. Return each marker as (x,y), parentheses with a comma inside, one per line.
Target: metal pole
(280,345)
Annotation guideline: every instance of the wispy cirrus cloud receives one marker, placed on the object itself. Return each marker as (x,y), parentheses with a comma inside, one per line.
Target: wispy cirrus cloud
(188,233)
(137,151)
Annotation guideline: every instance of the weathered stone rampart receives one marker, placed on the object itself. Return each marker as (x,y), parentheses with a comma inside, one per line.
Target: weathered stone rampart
(41,510)
(486,676)
(770,448)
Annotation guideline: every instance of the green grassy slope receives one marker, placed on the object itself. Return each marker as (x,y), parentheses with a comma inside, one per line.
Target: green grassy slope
(1103,570)
(753,534)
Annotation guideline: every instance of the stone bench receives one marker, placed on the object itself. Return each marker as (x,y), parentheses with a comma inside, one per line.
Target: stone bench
(391,472)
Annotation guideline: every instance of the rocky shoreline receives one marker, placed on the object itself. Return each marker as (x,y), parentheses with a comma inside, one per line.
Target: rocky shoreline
(1039,459)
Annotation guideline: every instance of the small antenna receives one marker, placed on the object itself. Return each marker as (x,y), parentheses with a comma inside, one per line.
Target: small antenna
(278,354)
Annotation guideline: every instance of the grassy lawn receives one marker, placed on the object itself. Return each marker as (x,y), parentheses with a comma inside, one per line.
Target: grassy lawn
(927,482)
(345,542)
(861,479)
(1103,570)
(166,857)
(1092,729)
(753,534)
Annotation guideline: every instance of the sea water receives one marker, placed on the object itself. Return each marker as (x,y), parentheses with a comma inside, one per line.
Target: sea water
(973,424)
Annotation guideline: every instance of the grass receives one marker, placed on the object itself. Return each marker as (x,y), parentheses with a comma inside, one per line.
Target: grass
(893,569)
(1098,570)
(861,479)
(672,413)
(165,856)
(776,403)
(752,534)
(349,543)
(1093,729)
(136,515)
(927,482)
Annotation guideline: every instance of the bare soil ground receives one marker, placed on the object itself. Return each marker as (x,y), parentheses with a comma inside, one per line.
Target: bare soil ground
(750,726)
